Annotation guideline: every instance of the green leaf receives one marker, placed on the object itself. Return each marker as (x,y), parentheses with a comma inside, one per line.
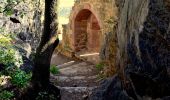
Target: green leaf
(54,70)
(8,11)
(6,95)
(1,9)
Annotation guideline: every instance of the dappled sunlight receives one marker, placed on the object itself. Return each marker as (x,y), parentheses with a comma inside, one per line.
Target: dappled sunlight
(4,80)
(90,54)
(67,63)
(84,49)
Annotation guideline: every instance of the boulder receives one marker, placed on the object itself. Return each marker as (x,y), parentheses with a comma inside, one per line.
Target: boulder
(110,89)
(143,52)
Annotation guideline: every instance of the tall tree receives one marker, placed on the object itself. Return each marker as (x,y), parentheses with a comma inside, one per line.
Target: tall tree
(49,41)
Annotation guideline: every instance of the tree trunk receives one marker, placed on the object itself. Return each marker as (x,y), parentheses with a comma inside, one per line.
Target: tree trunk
(41,73)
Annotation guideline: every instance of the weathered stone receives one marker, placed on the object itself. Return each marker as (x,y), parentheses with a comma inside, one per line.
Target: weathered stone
(110,89)
(26,37)
(143,52)
(145,85)
(89,21)
(76,79)
(27,65)
(85,97)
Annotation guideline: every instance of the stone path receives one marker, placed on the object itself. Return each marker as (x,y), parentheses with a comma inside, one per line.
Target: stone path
(76,80)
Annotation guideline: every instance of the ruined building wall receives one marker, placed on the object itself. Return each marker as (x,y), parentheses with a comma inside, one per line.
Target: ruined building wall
(105,13)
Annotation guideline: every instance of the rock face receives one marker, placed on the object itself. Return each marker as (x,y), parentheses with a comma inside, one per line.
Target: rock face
(143,50)
(111,89)
(30,15)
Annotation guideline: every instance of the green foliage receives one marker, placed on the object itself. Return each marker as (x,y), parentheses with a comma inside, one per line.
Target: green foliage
(8,11)
(8,54)
(6,95)
(12,60)
(7,6)
(20,78)
(5,40)
(0,9)
(99,66)
(45,96)
(54,70)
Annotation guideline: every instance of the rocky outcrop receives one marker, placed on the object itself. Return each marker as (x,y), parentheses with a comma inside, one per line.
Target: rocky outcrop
(30,15)
(111,89)
(143,50)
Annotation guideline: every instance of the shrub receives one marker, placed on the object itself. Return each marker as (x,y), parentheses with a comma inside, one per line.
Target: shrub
(54,70)
(12,60)
(9,56)
(6,95)
(20,79)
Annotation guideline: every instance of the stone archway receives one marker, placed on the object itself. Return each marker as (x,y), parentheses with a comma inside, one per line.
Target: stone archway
(87,32)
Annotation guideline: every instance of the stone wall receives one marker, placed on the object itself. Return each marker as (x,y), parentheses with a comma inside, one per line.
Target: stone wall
(105,13)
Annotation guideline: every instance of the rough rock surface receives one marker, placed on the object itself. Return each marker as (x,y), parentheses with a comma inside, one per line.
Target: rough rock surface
(143,51)
(30,14)
(111,89)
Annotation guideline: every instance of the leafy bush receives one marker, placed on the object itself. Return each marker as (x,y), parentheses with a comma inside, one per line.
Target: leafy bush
(20,78)
(9,56)
(54,70)
(6,95)
(12,60)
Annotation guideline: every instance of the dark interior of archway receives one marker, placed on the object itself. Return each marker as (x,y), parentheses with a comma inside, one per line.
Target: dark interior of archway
(87,32)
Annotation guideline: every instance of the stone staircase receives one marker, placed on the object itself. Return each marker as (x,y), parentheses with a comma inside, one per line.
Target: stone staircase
(76,80)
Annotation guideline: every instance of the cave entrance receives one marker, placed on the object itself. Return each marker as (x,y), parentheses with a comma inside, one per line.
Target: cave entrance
(87,33)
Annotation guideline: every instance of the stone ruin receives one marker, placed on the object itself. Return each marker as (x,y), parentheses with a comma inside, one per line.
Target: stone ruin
(88,24)
(132,37)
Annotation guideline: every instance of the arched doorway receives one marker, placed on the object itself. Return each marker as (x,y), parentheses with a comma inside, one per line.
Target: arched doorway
(87,32)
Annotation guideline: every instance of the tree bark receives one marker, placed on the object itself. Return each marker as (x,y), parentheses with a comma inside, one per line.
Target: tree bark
(41,72)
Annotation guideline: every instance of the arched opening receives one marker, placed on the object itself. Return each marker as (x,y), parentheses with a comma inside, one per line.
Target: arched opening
(87,32)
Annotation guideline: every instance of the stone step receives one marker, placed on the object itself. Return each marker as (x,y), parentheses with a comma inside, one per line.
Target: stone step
(73,64)
(76,93)
(58,59)
(79,69)
(75,81)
